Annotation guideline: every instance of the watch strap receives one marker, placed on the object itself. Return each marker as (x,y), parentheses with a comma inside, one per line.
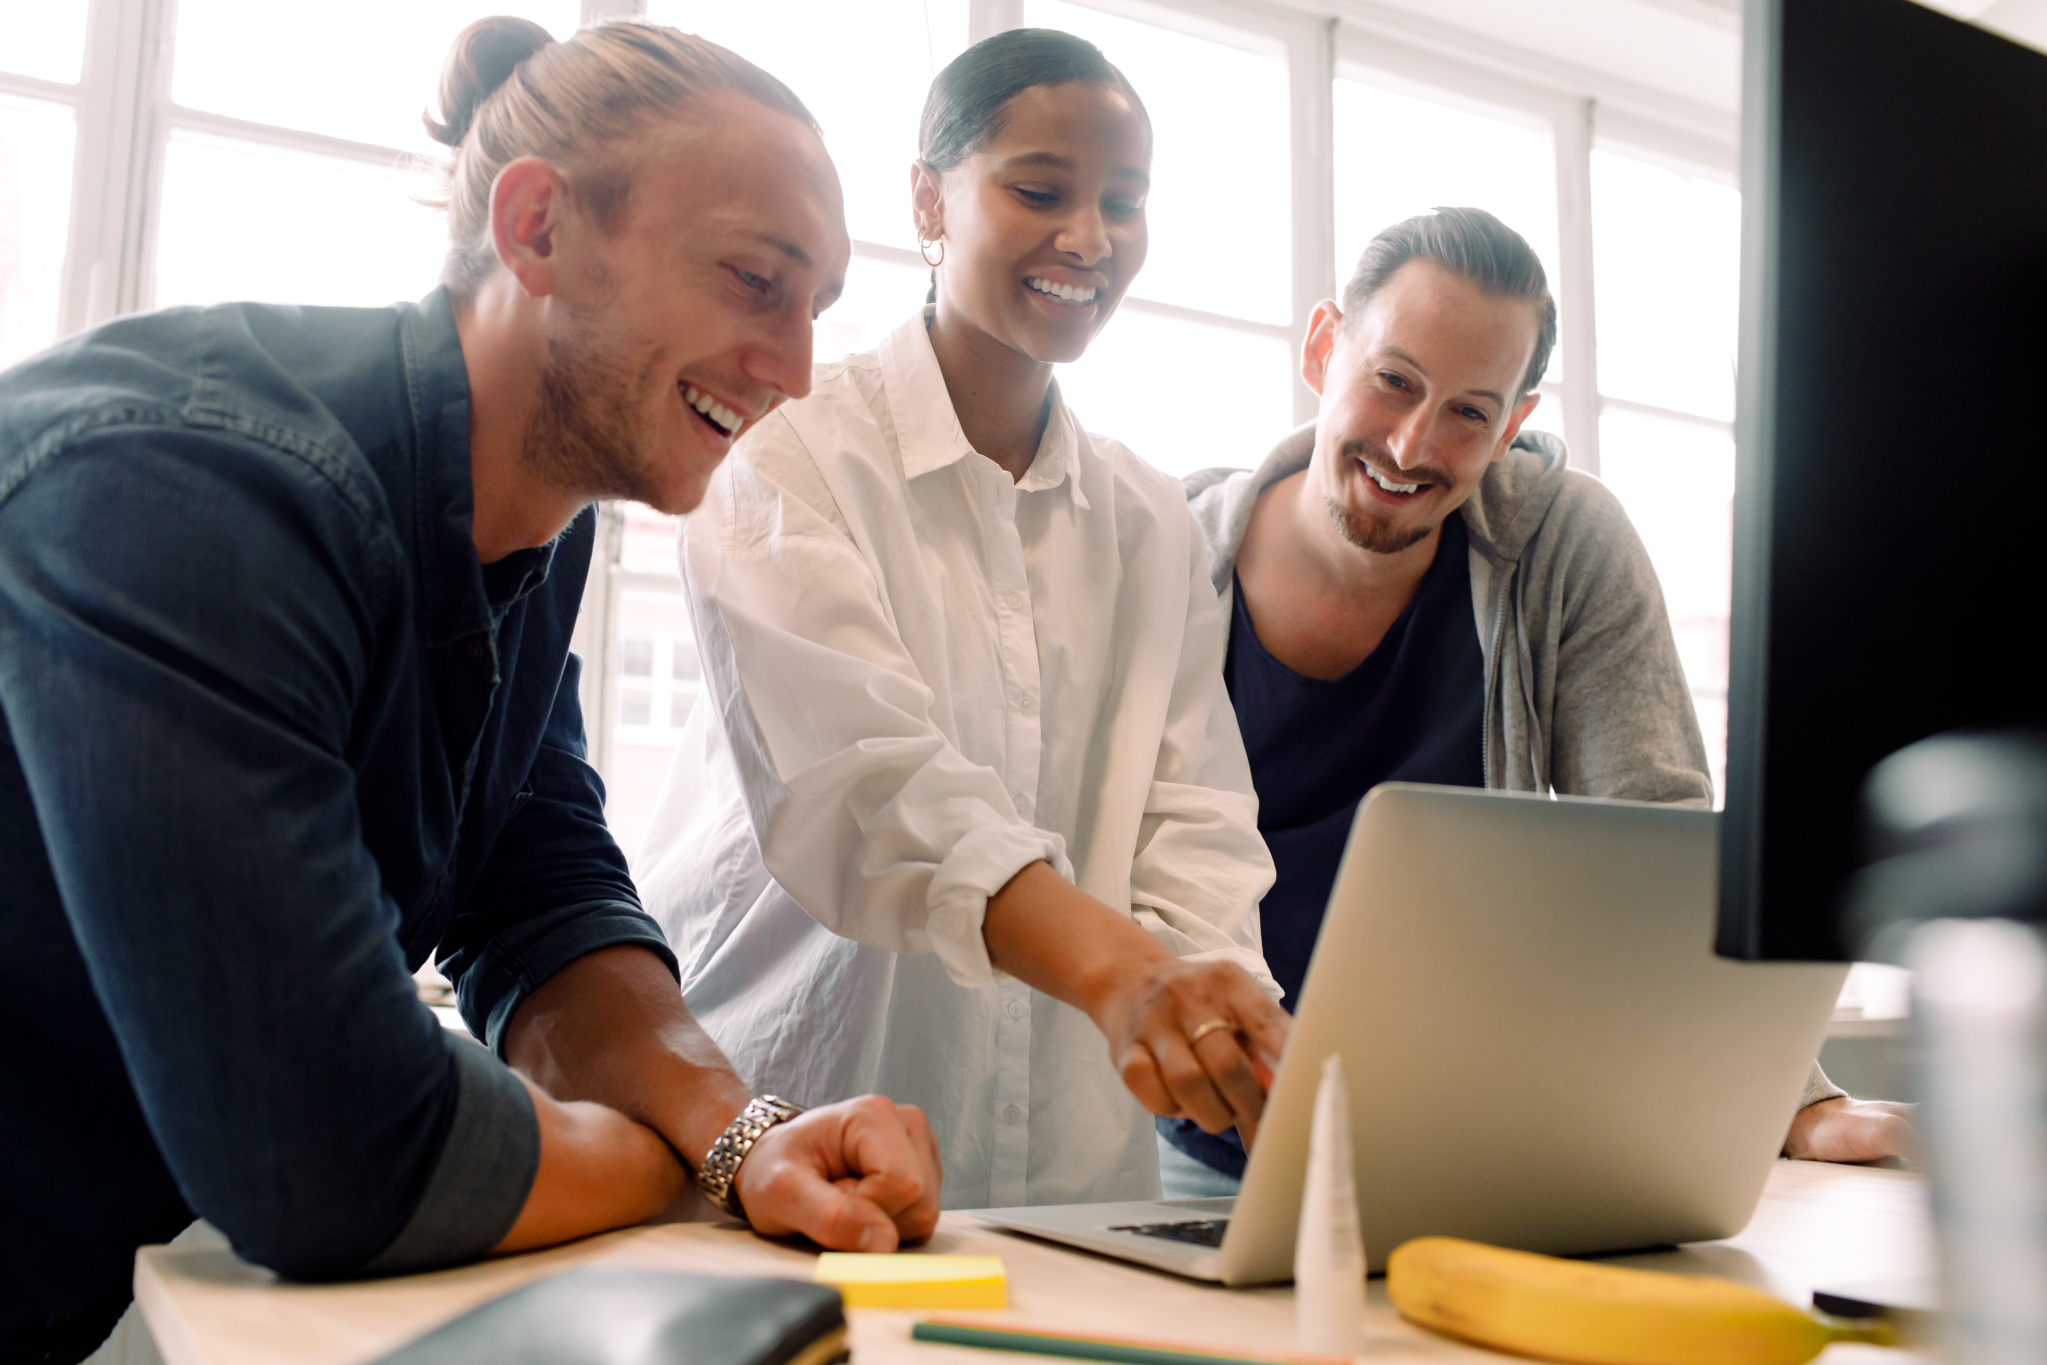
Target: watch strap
(717,1176)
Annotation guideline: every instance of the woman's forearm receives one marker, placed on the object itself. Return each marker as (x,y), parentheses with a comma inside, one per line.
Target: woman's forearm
(1050,934)
(1192,1039)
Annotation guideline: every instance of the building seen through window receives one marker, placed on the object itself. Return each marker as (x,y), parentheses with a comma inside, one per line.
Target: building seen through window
(654,679)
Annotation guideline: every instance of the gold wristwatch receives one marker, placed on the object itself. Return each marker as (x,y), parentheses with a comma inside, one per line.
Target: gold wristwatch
(721,1165)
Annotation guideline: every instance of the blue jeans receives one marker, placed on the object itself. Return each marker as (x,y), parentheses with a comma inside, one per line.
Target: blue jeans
(1182,1177)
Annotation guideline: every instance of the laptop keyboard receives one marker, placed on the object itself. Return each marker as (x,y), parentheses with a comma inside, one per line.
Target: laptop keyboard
(1201,1232)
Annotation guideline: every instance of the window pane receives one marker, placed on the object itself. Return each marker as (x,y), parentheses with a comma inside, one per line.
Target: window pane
(651,707)
(1667,263)
(862,69)
(45,39)
(35,214)
(1676,479)
(635,706)
(245,221)
(1219,210)
(1398,154)
(364,71)
(648,545)
(879,296)
(1183,395)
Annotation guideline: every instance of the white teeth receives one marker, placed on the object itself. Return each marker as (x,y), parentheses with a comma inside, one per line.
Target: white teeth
(1067,293)
(1389,485)
(710,407)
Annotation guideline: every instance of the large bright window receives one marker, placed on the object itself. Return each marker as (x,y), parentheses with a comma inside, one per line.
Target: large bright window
(35,201)
(1666,247)
(378,65)
(1667,254)
(42,47)
(299,181)
(254,220)
(160,151)
(44,40)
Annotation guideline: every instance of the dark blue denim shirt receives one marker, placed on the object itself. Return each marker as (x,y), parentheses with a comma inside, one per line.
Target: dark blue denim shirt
(272,735)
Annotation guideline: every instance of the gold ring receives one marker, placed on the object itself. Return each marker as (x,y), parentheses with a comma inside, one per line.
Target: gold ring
(1212,1026)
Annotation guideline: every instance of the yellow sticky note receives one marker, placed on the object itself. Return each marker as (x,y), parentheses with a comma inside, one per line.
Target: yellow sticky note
(914,1281)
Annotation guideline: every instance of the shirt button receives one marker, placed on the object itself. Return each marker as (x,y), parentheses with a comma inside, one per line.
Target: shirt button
(1027,703)
(1014,1009)
(1012,1114)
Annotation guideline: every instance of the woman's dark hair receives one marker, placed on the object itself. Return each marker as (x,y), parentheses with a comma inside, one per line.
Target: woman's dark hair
(963,112)
(1473,245)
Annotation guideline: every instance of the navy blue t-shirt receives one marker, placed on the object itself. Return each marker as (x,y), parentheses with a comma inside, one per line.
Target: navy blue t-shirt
(1412,711)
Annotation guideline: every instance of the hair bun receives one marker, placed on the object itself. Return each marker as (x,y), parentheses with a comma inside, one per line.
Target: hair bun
(483,58)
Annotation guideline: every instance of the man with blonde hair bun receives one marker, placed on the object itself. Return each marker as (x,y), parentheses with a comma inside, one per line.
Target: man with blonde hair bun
(287,705)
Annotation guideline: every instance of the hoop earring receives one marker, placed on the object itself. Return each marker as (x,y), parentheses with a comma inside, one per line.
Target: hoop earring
(924,250)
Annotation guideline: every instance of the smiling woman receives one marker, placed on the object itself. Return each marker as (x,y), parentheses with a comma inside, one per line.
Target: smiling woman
(963,794)
(1039,236)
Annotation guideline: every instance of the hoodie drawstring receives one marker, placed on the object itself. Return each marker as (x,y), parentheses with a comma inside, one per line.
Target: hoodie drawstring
(1527,671)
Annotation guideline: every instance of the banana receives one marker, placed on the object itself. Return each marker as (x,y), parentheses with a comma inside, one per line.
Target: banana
(1603,1314)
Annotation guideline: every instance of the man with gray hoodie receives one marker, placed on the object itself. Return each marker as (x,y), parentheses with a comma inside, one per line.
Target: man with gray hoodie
(1354,562)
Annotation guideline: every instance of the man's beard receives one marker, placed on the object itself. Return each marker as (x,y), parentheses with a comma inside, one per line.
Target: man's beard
(1373,533)
(586,436)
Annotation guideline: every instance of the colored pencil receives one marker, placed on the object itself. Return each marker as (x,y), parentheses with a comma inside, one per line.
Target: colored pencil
(1046,1341)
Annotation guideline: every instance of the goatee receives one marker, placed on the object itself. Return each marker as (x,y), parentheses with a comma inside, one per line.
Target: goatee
(1374,533)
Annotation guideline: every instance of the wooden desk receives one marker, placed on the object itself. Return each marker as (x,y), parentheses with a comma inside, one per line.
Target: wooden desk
(1817,1225)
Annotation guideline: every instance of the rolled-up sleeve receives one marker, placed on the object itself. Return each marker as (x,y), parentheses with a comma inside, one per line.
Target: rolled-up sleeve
(865,811)
(1201,867)
(186,620)
(555,888)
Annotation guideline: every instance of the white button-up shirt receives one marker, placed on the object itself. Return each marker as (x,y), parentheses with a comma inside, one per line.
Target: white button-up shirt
(922,676)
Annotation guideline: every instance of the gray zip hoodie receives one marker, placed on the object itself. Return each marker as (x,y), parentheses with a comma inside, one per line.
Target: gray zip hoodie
(1584,692)
(1585,695)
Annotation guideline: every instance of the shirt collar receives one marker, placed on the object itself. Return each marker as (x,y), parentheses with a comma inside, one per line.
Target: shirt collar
(928,434)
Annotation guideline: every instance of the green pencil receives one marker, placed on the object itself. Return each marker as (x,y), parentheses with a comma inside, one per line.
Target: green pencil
(1120,1351)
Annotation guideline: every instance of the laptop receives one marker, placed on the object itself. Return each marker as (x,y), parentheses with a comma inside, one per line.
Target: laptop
(1542,1050)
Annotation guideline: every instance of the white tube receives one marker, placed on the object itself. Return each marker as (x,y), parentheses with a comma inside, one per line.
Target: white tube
(1329,1253)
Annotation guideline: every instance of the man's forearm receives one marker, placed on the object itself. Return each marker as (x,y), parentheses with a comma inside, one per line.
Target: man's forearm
(612,1027)
(598,1170)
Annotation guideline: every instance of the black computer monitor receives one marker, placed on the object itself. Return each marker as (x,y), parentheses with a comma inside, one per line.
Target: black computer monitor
(1890,505)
